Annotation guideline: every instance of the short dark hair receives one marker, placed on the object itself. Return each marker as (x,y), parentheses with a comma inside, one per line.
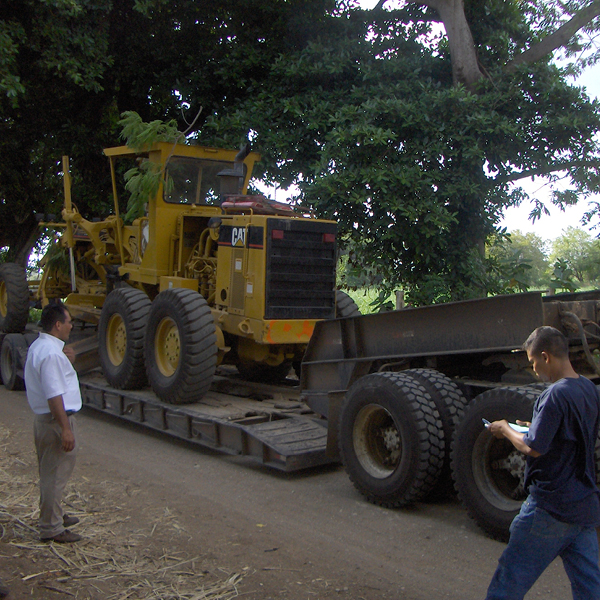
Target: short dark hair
(549,340)
(51,313)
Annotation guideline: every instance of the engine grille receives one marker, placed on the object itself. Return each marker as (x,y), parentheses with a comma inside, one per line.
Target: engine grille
(301,261)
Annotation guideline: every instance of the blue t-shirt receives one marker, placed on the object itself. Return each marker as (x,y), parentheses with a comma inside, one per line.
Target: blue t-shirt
(564,430)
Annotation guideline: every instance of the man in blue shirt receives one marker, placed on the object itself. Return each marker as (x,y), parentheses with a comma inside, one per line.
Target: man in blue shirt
(562,510)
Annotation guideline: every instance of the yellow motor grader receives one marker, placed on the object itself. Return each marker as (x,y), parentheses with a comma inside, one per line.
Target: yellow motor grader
(208,274)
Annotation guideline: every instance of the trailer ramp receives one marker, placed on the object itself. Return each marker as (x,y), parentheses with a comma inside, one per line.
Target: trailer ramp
(266,423)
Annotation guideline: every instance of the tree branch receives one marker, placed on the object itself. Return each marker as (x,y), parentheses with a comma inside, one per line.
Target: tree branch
(547,170)
(559,38)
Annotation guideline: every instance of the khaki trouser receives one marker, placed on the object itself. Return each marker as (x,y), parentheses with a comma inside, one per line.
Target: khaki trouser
(55,467)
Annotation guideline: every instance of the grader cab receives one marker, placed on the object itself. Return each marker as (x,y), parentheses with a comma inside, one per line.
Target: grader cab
(207,275)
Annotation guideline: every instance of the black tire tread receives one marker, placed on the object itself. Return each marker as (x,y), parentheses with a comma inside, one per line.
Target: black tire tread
(451,404)
(345,305)
(17,289)
(430,441)
(461,454)
(134,306)
(193,377)
(12,345)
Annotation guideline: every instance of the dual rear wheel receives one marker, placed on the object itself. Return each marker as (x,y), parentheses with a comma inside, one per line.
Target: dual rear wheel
(403,437)
(391,436)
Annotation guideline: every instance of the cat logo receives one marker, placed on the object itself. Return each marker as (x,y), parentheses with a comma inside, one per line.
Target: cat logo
(238,236)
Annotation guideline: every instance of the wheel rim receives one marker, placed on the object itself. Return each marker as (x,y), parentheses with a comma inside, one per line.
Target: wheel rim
(167,347)
(116,339)
(377,441)
(499,472)
(3,299)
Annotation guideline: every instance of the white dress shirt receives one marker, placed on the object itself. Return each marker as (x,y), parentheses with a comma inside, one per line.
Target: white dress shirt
(49,373)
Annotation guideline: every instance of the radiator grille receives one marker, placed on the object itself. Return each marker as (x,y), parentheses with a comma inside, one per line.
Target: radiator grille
(300,269)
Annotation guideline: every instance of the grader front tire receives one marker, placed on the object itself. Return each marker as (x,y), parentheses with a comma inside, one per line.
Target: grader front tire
(12,354)
(181,346)
(121,334)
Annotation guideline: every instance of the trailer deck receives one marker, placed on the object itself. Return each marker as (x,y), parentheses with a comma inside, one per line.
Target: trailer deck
(266,423)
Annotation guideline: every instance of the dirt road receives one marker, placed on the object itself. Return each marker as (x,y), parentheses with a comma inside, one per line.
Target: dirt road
(162,519)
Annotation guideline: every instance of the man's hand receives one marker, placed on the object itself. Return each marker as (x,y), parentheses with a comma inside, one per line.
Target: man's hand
(57,408)
(501,429)
(70,353)
(498,428)
(68,439)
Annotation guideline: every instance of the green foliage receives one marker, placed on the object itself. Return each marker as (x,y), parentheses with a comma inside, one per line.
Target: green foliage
(143,181)
(416,171)
(562,277)
(57,258)
(35,314)
(580,252)
(140,136)
(519,261)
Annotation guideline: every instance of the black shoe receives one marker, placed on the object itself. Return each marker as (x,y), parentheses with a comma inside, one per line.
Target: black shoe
(69,521)
(66,537)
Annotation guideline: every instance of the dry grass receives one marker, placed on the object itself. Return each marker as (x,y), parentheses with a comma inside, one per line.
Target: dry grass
(114,561)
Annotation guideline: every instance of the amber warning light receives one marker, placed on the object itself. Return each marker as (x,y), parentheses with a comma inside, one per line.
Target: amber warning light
(277,234)
(328,238)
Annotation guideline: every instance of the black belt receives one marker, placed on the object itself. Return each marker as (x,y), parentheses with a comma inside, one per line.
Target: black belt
(70,413)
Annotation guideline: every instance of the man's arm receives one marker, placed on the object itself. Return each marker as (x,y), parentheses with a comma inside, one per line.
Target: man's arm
(69,353)
(57,408)
(501,429)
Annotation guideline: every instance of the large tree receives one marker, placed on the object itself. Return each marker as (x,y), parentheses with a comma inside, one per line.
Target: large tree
(385,128)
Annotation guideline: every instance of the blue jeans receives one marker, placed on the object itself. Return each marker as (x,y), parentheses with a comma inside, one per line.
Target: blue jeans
(536,539)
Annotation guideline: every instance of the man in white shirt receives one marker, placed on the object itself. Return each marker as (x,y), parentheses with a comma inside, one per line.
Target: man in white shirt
(54,396)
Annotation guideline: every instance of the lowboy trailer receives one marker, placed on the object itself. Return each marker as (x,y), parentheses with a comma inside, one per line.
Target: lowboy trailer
(398,397)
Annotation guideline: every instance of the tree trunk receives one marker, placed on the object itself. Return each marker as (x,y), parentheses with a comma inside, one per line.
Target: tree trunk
(465,68)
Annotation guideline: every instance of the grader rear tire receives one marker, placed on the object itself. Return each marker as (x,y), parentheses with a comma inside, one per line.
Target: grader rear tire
(12,354)
(391,439)
(345,306)
(488,472)
(181,346)
(14,298)
(121,334)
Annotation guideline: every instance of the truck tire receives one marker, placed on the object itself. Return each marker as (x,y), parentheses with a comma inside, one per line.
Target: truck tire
(391,440)
(488,472)
(345,306)
(12,355)
(14,298)
(181,346)
(121,334)
(451,404)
